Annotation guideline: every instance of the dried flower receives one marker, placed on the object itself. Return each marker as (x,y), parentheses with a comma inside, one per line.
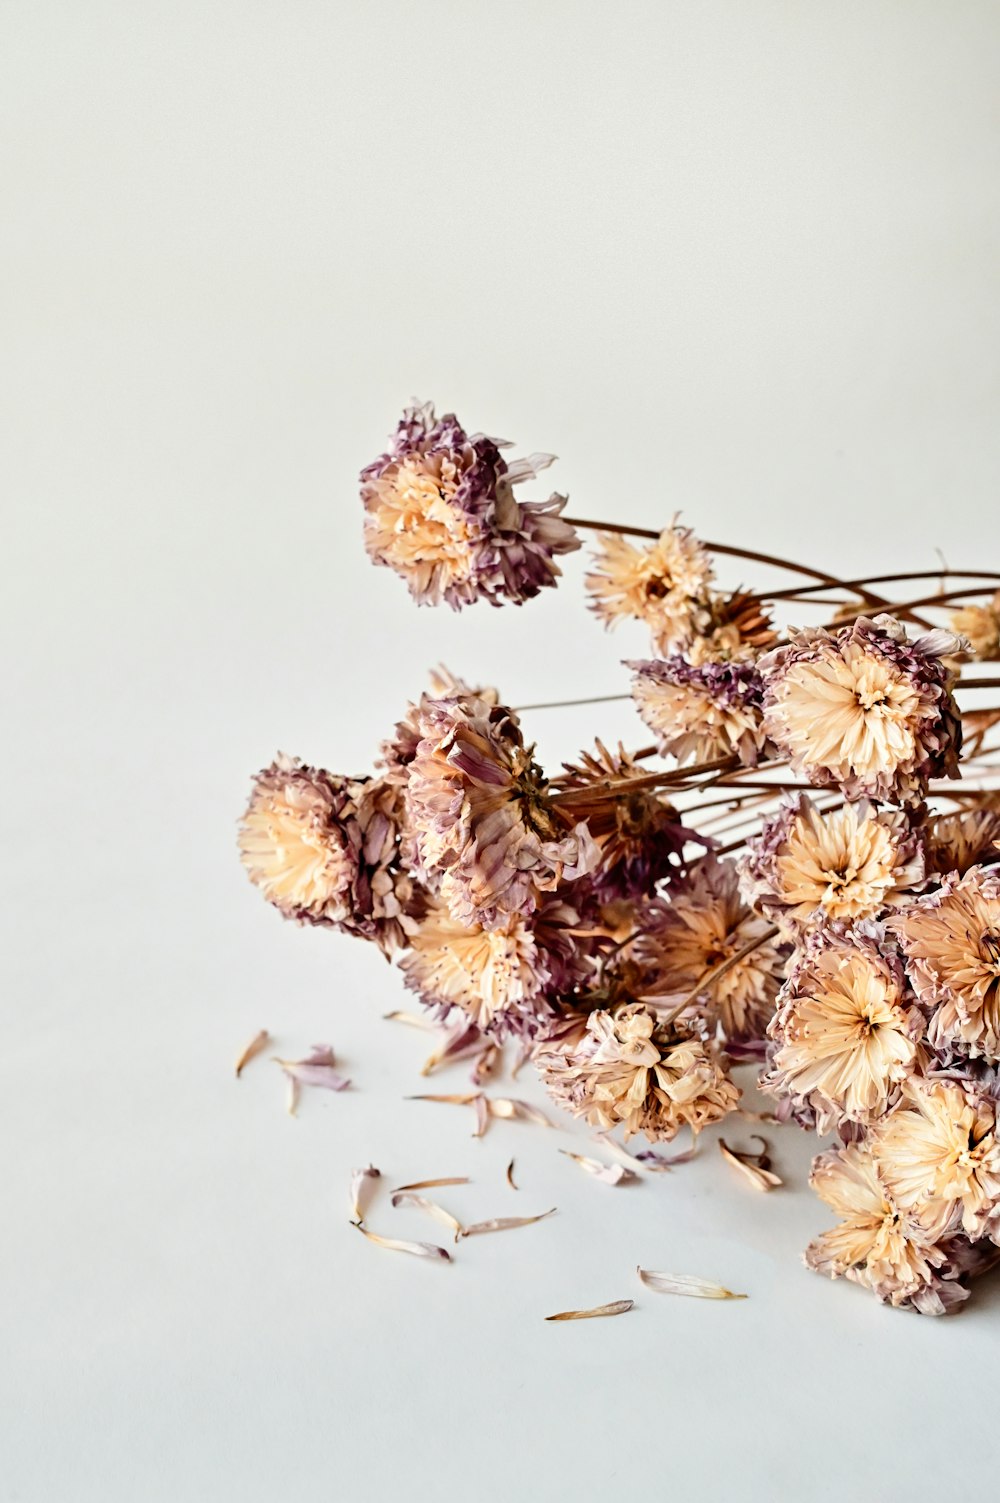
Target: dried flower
(951,943)
(482,814)
(738,629)
(809,867)
(864,710)
(440,511)
(940,1147)
(846,1034)
(956,842)
(980,626)
(702,926)
(625,1069)
(663,585)
(890,1249)
(698,713)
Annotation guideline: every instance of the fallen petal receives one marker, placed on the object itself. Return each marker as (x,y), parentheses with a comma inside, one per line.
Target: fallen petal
(488,1062)
(510,1175)
(511,1109)
(418,1249)
(753,1167)
(257,1043)
(429,1184)
(413,1019)
(617,1307)
(315,1070)
(608,1174)
(362,1185)
(504,1223)
(685,1283)
(407,1198)
(462,1041)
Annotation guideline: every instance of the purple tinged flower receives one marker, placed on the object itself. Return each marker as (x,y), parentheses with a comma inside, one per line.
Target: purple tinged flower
(698,712)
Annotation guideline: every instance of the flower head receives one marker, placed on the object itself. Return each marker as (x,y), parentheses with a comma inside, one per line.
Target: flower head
(480,811)
(700,713)
(865,709)
(809,867)
(624,1068)
(663,585)
(738,628)
(956,842)
(980,626)
(939,1149)
(894,1251)
(323,850)
(950,940)
(440,511)
(845,1034)
(702,926)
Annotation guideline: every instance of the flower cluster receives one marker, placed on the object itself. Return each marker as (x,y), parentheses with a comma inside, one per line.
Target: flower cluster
(775,882)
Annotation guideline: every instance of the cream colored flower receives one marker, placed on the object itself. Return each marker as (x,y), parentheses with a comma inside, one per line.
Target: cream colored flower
(959,841)
(940,1146)
(626,1070)
(951,942)
(980,625)
(701,713)
(845,1036)
(737,630)
(702,925)
(300,842)
(663,585)
(879,1243)
(808,867)
(865,710)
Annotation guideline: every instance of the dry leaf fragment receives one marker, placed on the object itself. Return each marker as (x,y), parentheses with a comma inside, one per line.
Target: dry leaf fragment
(755,1167)
(407,1198)
(685,1283)
(504,1223)
(257,1043)
(418,1249)
(511,1109)
(361,1190)
(510,1175)
(429,1184)
(608,1174)
(316,1070)
(617,1307)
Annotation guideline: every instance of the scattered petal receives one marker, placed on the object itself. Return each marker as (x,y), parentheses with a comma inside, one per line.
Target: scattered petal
(488,1063)
(608,1174)
(429,1184)
(504,1223)
(407,1198)
(482,1110)
(523,1055)
(293,1096)
(257,1043)
(508,1107)
(685,1283)
(418,1249)
(617,1307)
(475,1099)
(647,1158)
(510,1175)
(316,1070)
(754,1166)
(361,1190)
(412,1019)
(462,1041)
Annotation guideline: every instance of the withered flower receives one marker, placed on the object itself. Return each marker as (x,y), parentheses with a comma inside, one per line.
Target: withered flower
(951,943)
(738,628)
(845,1032)
(323,850)
(698,713)
(440,511)
(663,584)
(865,710)
(480,810)
(956,842)
(808,867)
(893,1250)
(627,1069)
(701,926)
(940,1147)
(980,626)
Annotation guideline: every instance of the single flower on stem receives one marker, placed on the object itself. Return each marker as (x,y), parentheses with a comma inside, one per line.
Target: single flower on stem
(663,585)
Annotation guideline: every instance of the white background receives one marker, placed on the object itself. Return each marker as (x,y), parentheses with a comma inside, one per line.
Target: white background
(737,259)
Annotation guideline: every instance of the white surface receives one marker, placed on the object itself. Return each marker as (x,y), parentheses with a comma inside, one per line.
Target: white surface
(739,259)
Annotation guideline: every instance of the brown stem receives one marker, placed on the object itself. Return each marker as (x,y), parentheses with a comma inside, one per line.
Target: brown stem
(714,972)
(614,786)
(566,704)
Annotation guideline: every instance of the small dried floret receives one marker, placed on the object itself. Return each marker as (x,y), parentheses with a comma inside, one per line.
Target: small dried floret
(809,866)
(980,626)
(951,943)
(739,628)
(440,510)
(900,1254)
(865,710)
(480,811)
(664,585)
(939,1149)
(956,842)
(846,1033)
(701,925)
(700,712)
(626,1069)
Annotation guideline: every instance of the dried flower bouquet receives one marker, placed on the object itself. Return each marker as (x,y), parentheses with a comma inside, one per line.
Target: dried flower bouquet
(801,869)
